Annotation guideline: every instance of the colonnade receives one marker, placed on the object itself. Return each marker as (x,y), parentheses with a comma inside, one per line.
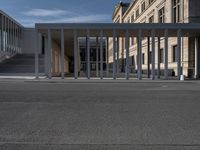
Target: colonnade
(10,35)
(126,35)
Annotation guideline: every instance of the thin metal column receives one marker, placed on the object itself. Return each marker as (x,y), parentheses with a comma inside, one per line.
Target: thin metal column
(166,55)
(153,54)
(148,55)
(117,59)
(49,54)
(62,54)
(36,54)
(101,54)
(127,56)
(20,40)
(139,55)
(114,54)
(18,29)
(88,53)
(2,23)
(179,53)
(159,54)
(5,34)
(46,55)
(75,55)
(196,58)
(107,56)
(8,36)
(15,39)
(97,56)
(16,42)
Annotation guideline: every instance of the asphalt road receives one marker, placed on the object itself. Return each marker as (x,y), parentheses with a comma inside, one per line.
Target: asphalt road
(96,115)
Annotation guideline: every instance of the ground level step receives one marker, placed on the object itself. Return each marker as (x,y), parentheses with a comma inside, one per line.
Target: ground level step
(32,146)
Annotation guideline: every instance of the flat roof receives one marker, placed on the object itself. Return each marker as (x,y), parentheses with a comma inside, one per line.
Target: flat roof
(188,29)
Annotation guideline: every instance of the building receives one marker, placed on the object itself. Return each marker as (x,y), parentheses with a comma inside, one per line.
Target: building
(133,46)
(157,11)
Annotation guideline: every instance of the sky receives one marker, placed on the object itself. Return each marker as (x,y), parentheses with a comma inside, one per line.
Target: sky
(29,12)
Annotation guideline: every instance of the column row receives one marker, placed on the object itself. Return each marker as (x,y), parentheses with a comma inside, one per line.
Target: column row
(114,39)
(10,35)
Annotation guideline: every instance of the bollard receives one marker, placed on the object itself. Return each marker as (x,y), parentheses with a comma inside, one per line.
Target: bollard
(182,78)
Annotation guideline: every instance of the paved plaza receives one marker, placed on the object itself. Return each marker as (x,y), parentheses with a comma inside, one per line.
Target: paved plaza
(95,114)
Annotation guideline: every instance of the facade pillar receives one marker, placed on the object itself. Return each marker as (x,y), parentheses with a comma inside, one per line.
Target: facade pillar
(101,54)
(159,54)
(62,54)
(88,54)
(153,55)
(179,53)
(75,55)
(139,55)
(36,54)
(127,56)
(148,59)
(49,54)
(166,55)
(114,54)
(97,56)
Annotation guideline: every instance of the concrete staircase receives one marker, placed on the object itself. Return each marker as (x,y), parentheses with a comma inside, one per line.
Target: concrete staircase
(21,64)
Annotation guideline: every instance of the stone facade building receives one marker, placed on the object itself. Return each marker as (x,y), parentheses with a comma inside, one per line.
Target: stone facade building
(157,11)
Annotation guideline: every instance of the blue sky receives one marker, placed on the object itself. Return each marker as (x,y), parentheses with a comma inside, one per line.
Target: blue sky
(28,12)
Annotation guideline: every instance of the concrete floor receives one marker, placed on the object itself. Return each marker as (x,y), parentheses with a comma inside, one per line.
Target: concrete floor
(99,115)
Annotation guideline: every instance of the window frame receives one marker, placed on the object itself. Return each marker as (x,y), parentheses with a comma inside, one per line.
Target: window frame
(161,15)
(176,11)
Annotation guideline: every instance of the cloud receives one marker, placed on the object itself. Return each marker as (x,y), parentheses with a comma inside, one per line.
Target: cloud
(94,18)
(45,12)
(87,18)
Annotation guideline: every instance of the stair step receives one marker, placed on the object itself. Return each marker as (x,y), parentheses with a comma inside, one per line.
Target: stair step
(22,63)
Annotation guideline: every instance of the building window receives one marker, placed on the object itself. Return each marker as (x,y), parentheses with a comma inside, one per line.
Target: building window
(143,58)
(143,6)
(174,53)
(151,1)
(161,55)
(176,11)
(132,18)
(151,19)
(137,13)
(161,15)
